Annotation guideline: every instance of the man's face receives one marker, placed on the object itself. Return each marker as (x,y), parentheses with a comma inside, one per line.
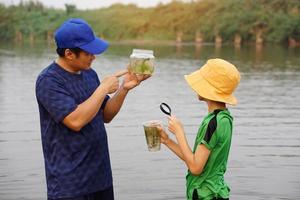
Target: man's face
(82,61)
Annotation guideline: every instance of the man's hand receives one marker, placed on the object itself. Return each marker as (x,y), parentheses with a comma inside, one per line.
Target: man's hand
(132,80)
(111,82)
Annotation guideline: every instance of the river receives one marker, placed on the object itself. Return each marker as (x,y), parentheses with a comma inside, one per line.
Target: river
(264,161)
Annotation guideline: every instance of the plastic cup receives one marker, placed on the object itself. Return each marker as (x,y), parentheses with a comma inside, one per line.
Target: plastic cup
(152,134)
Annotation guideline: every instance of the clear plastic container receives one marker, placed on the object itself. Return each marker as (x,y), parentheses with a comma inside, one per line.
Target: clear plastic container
(152,134)
(141,61)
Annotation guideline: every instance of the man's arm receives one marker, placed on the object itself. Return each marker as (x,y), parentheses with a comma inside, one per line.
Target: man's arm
(115,103)
(87,110)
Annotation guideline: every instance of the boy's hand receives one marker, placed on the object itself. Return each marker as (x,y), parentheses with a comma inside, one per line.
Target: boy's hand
(163,135)
(175,125)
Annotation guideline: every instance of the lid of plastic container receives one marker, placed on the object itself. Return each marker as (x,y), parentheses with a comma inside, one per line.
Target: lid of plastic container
(142,53)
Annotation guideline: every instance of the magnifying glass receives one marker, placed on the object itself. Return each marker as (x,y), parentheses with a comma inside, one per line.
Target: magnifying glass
(165,108)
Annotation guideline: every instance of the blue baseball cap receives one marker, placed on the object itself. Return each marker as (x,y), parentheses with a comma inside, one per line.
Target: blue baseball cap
(78,33)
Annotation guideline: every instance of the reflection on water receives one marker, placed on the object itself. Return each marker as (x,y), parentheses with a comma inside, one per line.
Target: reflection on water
(265,158)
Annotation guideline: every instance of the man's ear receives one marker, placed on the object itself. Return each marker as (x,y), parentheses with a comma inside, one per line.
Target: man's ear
(69,54)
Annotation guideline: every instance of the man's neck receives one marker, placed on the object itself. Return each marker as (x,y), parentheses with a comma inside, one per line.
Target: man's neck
(63,64)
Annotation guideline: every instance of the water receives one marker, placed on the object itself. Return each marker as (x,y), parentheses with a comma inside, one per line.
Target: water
(265,155)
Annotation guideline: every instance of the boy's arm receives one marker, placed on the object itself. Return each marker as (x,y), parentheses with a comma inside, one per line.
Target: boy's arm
(173,146)
(195,162)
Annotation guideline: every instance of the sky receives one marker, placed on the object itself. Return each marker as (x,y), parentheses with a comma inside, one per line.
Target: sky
(90,4)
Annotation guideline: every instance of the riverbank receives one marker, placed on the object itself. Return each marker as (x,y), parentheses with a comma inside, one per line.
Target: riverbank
(140,42)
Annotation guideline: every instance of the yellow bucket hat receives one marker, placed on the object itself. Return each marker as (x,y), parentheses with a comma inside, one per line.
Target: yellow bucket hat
(216,80)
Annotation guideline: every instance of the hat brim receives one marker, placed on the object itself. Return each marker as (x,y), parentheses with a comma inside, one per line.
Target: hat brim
(97,46)
(203,88)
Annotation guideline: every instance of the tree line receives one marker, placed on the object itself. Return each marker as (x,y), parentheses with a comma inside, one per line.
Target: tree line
(219,21)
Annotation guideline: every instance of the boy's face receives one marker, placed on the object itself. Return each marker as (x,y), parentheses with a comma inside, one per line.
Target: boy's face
(200,98)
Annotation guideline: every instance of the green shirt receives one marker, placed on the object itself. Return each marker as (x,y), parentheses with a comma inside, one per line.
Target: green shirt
(215,133)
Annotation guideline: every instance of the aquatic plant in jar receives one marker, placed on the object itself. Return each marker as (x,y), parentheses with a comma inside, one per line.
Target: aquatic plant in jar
(141,61)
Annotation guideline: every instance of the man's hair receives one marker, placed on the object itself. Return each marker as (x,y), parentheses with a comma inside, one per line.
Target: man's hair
(61,51)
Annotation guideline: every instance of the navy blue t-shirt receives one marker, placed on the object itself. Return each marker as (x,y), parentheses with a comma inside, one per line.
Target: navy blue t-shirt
(76,163)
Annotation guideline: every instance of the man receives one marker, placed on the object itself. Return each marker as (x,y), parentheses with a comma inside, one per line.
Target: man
(73,107)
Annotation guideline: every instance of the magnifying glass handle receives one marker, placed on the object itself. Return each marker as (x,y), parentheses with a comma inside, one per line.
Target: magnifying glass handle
(162,105)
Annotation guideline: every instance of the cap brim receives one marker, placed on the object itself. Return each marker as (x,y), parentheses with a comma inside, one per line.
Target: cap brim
(203,88)
(97,46)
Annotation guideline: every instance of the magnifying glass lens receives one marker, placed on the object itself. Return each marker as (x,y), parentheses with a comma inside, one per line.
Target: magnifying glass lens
(165,108)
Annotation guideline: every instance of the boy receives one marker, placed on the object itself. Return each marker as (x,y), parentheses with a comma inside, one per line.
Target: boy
(214,83)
